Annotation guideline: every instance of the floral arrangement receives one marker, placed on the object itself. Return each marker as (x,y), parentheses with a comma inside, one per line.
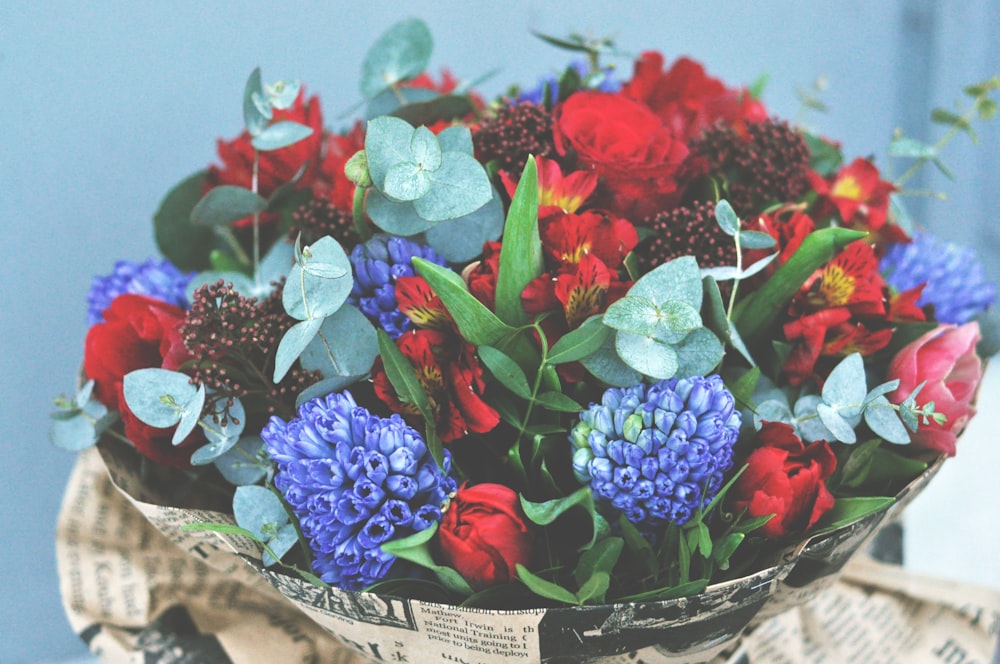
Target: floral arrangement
(606,339)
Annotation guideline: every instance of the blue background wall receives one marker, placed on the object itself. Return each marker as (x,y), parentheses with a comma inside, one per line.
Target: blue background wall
(107,104)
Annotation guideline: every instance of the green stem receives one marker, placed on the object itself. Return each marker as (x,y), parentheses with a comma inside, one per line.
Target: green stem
(254,186)
(736,281)
(234,244)
(943,141)
(358,214)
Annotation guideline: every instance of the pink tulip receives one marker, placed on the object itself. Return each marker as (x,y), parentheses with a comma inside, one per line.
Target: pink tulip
(946,358)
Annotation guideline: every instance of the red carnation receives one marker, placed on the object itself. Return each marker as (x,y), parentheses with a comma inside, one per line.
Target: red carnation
(786,478)
(627,145)
(137,333)
(484,534)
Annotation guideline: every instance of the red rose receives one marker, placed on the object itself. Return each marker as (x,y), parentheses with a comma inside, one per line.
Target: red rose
(687,99)
(626,144)
(786,478)
(484,534)
(137,333)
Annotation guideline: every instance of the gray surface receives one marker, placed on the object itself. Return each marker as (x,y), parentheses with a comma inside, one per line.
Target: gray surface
(108,104)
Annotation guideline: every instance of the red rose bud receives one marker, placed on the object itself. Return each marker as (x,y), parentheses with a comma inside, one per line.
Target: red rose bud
(786,478)
(137,333)
(484,534)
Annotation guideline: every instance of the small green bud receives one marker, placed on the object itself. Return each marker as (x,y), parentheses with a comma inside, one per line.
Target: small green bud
(356,170)
(578,436)
(632,427)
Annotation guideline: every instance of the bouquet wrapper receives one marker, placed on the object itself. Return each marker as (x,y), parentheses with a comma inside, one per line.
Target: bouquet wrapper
(138,588)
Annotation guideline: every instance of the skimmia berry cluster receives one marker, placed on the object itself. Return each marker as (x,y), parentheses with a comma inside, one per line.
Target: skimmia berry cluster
(612,336)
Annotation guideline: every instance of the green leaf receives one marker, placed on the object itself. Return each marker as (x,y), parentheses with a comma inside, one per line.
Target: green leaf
(594,589)
(725,547)
(743,387)
(824,157)
(400,54)
(558,402)
(409,390)
(544,588)
(416,549)
(726,217)
(716,320)
(638,545)
(546,512)
(758,313)
(987,108)
(673,592)
(186,244)
(911,148)
(293,343)
(579,343)
(477,324)
(602,557)
(521,250)
(854,470)
(225,204)
(190,414)
(890,466)
(846,511)
(505,370)
(158,397)
(281,135)
(445,107)
(256,112)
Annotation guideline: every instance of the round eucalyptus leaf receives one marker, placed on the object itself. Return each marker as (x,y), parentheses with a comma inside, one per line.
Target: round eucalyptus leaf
(726,218)
(283,93)
(206,454)
(346,345)
(647,355)
(456,139)
(699,353)
(633,314)
(281,135)
(679,279)
(158,396)
(807,420)
(460,240)
(459,187)
(225,204)
(280,544)
(323,286)
(406,181)
(756,240)
(73,434)
(257,509)
(882,419)
(833,421)
(401,53)
(255,115)
(772,410)
(391,102)
(83,396)
(605,365)
(244,463)
(846,386)
(387,143)
(676,321)
(397,218)
(425,150)
(236,419)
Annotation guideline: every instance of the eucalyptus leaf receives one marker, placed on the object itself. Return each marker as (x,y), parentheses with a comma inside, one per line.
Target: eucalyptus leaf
(846,386)
(605,364)
(756,240)
(676,280)
(158,396)
(647,355)
(406,181)
(225,204)
(835,422)
(345,346)
(259,511)
(633,314)
(387,143)
(807,420)
(395,217)
(459,187)
(462,239)
(882,419)
(282,94)
(294,341)
(281,135)
(241,283)
(245,463)
(320,286)
(255,116)
(186,244)
(699,353)
(726,217)
(190,414)
(398,55)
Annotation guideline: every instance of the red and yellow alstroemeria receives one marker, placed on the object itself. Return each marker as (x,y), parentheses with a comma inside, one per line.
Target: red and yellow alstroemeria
(860,197)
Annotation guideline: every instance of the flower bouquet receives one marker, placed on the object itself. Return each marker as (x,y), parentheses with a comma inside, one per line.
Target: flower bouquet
(609,364)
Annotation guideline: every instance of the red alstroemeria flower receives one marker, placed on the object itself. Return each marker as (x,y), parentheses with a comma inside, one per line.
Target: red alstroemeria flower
(829,333)
(852,279)
(903,305)
(788,226)
(418,302)
(331,183)
(276,167)
(687,99)
(451,376)
(583,291)
(567,238)
(859,195)
(481,276)
(556,192)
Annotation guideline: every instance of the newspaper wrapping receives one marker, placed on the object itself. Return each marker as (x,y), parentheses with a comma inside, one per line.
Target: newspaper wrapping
(133,596)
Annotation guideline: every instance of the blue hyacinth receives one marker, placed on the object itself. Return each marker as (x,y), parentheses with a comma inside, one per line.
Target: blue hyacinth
(355,481)
(956,285)
(377,264)
(658,453)
(158,279)
(606,82)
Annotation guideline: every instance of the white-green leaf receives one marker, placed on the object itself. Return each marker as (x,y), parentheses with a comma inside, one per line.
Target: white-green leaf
(633,314)
(245,463)
(840,427)
(726,217)
(406,181)
(461,240)
(756,240)
(158,396)
(882,419)
(345,345)
(281,135)
(387,143)
(400,54)
(606,365)
(459,187)
(678,280)
(295,340)
(190,414)
(647,355)
(319,287)
(256,114)
(846,386)
(698,353)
